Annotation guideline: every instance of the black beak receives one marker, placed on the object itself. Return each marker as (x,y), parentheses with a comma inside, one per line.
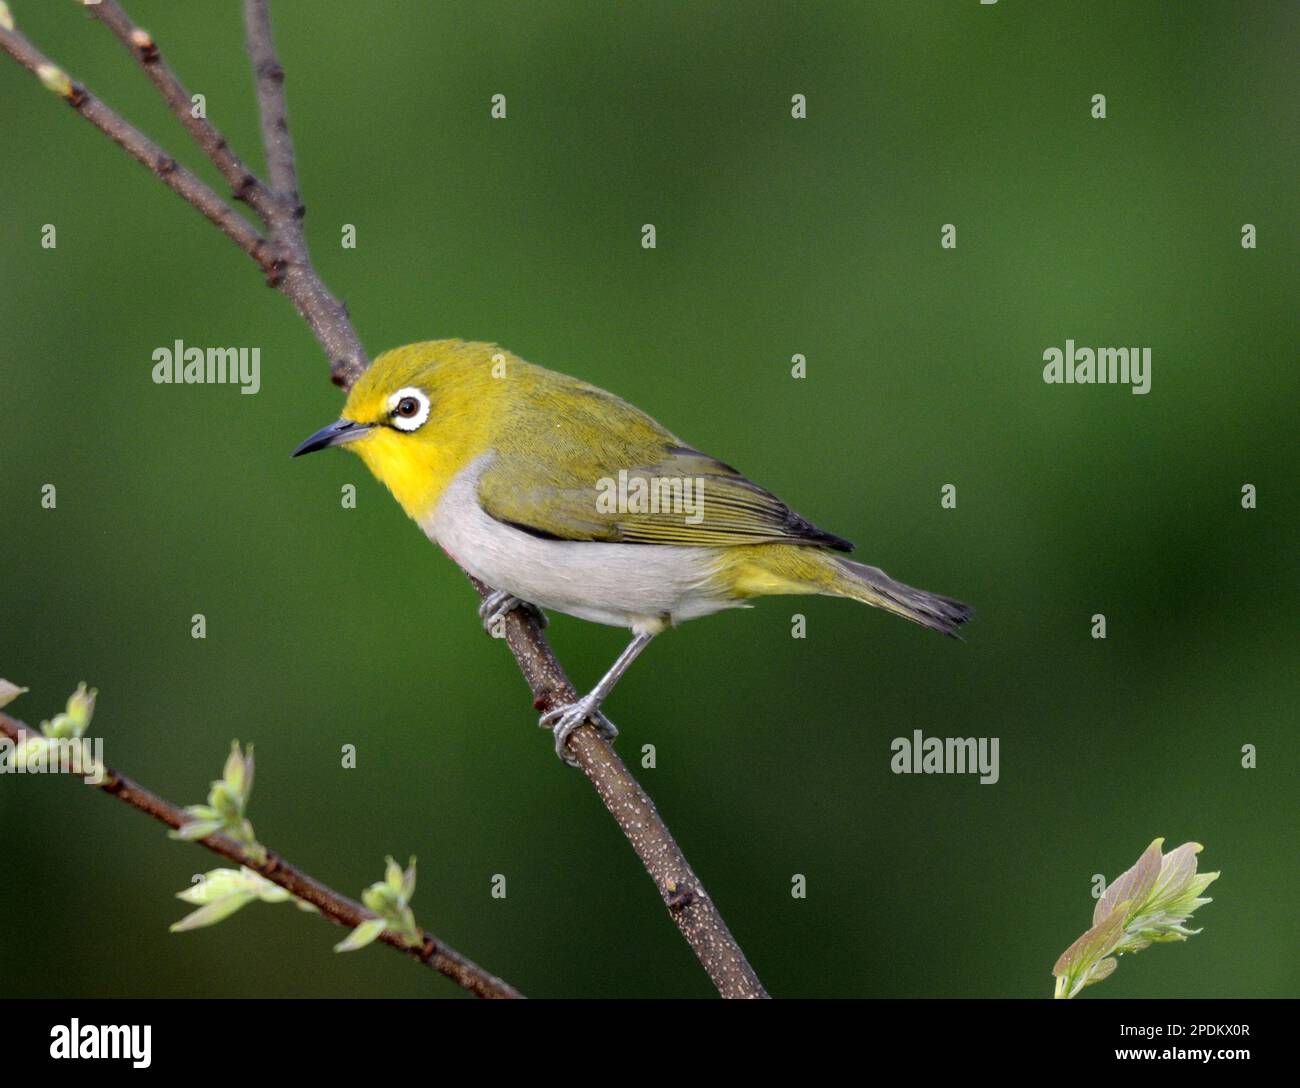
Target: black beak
(345,430)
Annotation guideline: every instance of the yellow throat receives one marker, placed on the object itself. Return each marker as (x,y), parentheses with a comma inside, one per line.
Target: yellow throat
(470,402)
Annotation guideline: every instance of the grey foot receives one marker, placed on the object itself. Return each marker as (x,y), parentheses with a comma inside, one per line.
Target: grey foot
(564,719)
(496,607)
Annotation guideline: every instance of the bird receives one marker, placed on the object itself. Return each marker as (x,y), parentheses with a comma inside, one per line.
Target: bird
(559,495)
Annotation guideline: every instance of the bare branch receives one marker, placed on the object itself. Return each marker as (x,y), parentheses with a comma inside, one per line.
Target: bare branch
(688,903)
(280,164)
(327,316)
(190,188)
(339,909)
(283,258)
(244,184)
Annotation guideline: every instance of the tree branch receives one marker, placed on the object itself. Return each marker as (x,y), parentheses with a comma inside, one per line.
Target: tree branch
(190,188)
(689,905)
(325,315)
(244,184)
(339,909)
(276,140)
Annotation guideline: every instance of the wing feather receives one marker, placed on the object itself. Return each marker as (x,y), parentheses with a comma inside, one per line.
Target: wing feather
(595,478)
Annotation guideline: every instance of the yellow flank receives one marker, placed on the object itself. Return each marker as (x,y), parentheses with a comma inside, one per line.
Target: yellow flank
(768,570)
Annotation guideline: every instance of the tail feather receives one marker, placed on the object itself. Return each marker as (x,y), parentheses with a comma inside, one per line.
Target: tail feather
(763,570)
(873,586)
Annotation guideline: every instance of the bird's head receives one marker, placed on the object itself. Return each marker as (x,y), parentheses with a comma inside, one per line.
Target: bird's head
(420,414)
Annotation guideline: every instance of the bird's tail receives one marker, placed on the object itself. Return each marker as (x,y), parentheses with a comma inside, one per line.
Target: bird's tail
(873,586)
(788,568)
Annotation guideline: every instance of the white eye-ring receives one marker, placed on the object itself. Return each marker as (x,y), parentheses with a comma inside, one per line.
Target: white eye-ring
(408,409)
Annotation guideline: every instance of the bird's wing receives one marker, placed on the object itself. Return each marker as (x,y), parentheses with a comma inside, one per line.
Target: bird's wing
(580,464)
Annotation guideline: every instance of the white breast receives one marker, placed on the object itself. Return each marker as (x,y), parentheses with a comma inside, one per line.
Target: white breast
(641,586)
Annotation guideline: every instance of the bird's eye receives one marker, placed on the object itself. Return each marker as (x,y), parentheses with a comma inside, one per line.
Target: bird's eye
(408,409)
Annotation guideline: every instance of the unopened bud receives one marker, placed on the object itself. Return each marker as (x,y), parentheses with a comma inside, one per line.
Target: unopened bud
(8,692)
(380,898)
(225,801)
(81,706)
(55,79)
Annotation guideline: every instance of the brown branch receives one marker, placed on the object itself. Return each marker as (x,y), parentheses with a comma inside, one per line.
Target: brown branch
(688,903)
(276,140)
(283,258)
(190,188)
(690,906)
(339,909)
(244,184)
(325,315)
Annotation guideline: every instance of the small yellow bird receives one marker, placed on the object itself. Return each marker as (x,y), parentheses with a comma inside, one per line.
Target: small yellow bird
(560,495)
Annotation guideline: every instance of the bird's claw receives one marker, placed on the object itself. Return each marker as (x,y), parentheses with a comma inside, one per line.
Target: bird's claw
(564,719)
(498,605)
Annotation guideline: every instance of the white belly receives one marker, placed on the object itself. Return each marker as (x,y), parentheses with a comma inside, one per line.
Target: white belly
(641,586)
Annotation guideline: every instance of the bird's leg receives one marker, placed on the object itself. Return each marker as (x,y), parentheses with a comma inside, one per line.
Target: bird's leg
(564,719)
(498,605)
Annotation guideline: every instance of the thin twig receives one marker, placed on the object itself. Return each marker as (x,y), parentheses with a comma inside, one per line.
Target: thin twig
(244,184)
(689,905)
(325,315)
(339,909)
(176,177)
(282,168)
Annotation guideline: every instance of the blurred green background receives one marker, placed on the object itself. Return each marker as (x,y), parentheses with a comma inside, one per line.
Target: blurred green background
(775,236)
